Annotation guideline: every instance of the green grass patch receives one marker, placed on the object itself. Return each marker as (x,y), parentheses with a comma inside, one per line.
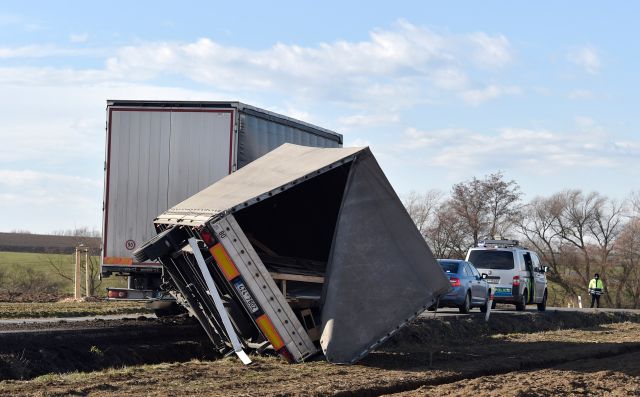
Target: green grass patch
(10,310)
(56,267)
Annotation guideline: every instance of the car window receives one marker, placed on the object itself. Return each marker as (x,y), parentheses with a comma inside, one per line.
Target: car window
(449,267)
(527,261)
(536,260)
(489,259)
(473,270)
(467,270)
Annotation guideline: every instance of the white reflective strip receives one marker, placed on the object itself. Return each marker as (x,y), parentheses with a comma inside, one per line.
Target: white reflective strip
(235,342)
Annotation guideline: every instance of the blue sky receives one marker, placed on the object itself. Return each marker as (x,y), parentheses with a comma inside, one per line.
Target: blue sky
(441,91)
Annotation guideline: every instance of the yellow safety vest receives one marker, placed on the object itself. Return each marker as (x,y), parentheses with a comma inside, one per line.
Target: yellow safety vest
(596,284)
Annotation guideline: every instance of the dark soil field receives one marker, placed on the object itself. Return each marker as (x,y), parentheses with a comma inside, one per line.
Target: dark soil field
(548,354)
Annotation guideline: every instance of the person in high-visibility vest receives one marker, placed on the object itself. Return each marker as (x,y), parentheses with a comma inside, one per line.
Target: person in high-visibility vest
(596,288)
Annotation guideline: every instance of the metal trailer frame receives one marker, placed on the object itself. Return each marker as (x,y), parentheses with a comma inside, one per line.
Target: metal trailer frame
(369,291)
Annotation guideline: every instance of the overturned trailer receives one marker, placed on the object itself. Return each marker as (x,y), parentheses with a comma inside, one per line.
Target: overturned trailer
(304,248)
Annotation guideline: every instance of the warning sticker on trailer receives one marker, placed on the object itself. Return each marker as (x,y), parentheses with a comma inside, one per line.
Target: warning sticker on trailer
(246,296)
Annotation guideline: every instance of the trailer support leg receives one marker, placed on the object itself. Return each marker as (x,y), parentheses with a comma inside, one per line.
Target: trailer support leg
(235,342)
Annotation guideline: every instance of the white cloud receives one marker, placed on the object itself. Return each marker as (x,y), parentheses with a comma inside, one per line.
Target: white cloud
(14,20)
(53,116)
(43,202)
(415,64)
(491,52)
(43,51)
(358,142)
(478,96)
(367,120)
(586,57)
(79,37)
(538,151)
(581,95)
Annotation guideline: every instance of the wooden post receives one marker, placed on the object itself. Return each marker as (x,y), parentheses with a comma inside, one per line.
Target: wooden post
(77,294)
(87,274)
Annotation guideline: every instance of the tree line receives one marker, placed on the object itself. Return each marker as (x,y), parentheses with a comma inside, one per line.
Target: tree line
(576,233)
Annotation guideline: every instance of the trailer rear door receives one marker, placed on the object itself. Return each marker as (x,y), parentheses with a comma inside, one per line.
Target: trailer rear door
(149,168)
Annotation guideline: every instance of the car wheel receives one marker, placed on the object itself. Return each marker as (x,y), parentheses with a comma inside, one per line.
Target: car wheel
(542,306)
(466,306)
(522,302)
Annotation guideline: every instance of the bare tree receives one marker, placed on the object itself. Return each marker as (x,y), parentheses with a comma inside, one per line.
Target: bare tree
(539,226)
(446,235)
(628,255)
(502,199)
(422,207)
(83,231)
(65,269)
(489,206)
(469,203)
(576,221)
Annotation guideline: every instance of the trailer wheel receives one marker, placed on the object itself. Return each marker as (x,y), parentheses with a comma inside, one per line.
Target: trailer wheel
(172,310)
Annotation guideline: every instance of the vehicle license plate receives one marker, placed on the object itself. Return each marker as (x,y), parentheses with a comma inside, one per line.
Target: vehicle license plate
(246,296)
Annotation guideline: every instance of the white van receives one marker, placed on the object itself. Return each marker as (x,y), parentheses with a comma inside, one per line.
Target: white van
(514,273)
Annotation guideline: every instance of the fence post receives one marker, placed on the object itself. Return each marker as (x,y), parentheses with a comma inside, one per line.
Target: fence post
(579,301)
(88,279)
(76,292)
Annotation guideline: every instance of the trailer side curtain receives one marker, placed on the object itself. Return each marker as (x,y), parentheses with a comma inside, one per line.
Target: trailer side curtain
(380,272)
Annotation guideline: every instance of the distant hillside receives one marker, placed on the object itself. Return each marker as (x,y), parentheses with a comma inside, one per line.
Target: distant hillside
(26,242)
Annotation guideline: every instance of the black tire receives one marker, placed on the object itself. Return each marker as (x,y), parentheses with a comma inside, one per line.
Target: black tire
(542,306)
(173,310)
(522,302)
(466,306)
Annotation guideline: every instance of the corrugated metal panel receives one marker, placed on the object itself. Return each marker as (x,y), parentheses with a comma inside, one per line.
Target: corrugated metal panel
(138,159)
(259,133)
(159,157)
(199,152)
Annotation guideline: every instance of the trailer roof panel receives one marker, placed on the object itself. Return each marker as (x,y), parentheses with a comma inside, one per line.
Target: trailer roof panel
(268,174)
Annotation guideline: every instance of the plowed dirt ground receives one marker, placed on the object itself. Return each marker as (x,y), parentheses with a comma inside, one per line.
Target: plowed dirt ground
(532,355)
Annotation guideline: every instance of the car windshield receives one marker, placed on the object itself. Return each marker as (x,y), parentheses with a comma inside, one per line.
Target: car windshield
(497,260)
(449,267)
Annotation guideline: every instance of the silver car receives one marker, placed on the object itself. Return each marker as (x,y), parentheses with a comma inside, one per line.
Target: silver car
(515,273)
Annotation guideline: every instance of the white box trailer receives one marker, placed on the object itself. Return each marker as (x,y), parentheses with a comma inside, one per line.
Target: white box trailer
(159,153)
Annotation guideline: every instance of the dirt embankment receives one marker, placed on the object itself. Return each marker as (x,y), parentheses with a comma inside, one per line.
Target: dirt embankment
(30,350)
(428,354)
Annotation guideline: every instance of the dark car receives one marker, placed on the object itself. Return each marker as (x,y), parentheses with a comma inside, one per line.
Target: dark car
(469,288)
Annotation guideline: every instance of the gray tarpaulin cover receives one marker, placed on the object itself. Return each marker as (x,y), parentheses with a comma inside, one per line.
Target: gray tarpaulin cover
(380,272)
